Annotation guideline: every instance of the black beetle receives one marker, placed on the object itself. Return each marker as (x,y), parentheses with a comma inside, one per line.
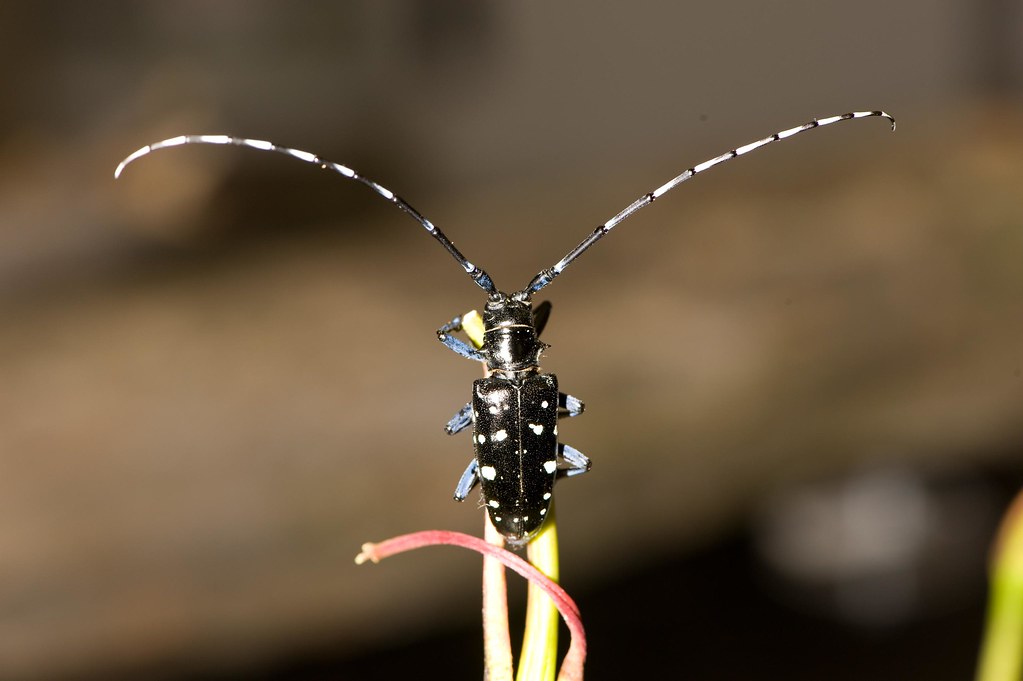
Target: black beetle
(514,410)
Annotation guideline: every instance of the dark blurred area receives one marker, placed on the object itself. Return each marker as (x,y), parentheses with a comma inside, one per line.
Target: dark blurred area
(219,375)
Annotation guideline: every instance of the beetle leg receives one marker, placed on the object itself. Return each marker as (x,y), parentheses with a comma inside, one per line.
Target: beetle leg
(456,345)
(577,461)
(460,421)
(572,406)
(466,482)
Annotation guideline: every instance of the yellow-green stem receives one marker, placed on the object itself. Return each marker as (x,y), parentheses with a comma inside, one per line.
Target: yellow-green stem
(539,658)
(1001,655)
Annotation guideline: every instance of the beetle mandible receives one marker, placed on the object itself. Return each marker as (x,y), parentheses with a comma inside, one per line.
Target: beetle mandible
(514,411)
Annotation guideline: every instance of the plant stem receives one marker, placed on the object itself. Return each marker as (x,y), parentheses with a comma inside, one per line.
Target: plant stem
(575,658)
(1001,655)
(497,653)
(539,658)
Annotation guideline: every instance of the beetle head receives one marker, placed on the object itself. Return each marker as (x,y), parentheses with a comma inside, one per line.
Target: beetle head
(509,335)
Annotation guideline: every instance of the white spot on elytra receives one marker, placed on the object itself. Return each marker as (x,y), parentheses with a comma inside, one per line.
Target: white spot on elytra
(488,472)
(497,518)
(500,436)
(544,404)
(555,430)
(536,428)
(493,409)
(543,511)
(546,496)
(481,438)
(494,504)
(550,466)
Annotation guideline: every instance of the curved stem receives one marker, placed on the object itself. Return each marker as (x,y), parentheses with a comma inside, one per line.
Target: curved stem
(572,666)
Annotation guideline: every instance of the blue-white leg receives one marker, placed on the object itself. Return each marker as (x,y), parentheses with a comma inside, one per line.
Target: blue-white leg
(578,463)
(460,421)
(461,347)
(466,482)
(570,406)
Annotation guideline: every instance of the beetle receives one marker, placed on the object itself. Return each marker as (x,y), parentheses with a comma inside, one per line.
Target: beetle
(514,409)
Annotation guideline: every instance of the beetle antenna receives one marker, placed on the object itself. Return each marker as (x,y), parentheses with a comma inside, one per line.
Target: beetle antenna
(477,274)
(545,277)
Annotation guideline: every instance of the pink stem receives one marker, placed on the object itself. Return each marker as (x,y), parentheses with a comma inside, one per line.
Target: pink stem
(572,666)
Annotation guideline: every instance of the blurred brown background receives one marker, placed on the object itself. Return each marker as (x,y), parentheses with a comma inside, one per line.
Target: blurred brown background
(218,375)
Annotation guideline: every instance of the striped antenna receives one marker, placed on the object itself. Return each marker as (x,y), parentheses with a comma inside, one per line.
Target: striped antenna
(481,278)
(545,277)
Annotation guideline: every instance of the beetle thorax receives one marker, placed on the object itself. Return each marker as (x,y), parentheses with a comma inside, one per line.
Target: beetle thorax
(510,341)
